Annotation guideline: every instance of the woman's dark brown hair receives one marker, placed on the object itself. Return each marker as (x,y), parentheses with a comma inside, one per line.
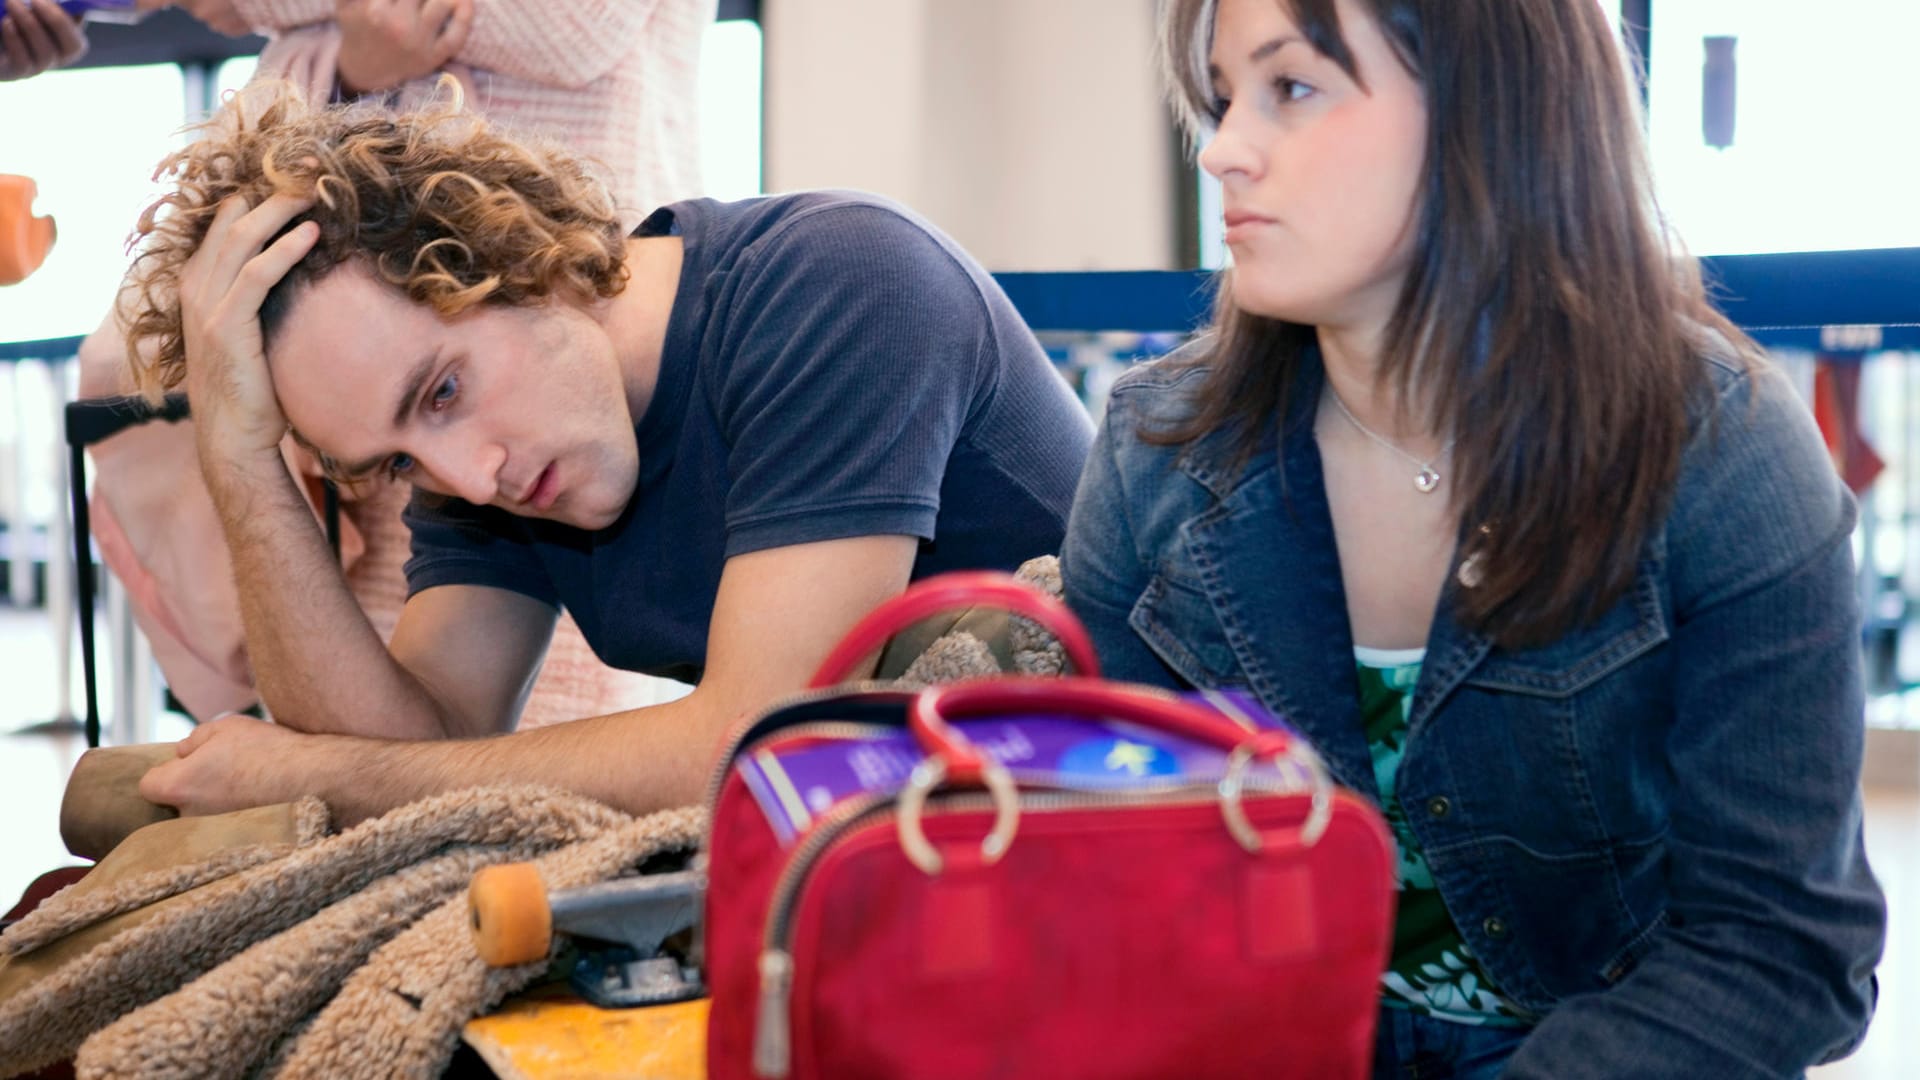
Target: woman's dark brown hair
(1545,319)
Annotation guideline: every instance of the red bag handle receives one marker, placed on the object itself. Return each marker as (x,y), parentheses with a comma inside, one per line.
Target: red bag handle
(928,716)
(953,592)
(953,759)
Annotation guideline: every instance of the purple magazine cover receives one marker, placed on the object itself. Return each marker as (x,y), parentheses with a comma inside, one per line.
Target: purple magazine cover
(1056,752)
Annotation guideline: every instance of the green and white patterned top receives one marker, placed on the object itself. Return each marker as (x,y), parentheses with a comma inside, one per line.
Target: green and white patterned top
(1431,970)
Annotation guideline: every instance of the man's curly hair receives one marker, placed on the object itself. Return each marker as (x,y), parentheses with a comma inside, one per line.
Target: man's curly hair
(435,202)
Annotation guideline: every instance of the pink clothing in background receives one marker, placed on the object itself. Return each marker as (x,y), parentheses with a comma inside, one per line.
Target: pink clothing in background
(614,80)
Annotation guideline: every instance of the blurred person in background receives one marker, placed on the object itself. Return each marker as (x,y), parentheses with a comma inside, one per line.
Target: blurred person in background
(37,36)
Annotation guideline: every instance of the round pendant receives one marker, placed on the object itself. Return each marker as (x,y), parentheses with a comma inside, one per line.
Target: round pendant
(1427,480)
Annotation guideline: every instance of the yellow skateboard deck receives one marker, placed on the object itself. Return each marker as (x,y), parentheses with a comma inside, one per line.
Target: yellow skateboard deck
(550,1034)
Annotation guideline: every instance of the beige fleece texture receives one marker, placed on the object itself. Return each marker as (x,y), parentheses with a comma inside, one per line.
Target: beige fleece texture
(985,641)
(310,1003)
(189,934)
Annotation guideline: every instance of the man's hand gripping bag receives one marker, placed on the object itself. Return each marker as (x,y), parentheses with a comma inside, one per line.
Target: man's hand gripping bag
(1035,877)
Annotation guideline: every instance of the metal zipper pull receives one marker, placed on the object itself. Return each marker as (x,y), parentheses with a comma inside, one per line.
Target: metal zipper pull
(772,1030)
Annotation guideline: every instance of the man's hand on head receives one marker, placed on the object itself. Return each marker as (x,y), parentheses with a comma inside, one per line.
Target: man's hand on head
(35,37)
(384,43)
(237,419)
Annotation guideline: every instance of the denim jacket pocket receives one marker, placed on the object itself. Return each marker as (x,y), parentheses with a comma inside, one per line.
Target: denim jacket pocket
(1630,629)
(1178,623)
(1621,963)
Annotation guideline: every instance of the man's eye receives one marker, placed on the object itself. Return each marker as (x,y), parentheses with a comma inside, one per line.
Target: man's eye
(444,394)
(398,465)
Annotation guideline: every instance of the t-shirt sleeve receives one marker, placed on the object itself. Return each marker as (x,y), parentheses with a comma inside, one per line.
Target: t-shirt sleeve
(457,543)
(858,343)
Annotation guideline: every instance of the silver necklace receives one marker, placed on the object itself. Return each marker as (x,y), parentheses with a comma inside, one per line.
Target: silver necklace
(1427,479)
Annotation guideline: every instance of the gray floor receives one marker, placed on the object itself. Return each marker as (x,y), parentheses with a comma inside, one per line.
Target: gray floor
(34,768)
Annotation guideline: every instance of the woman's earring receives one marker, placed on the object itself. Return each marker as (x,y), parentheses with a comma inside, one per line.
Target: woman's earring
(1472,569)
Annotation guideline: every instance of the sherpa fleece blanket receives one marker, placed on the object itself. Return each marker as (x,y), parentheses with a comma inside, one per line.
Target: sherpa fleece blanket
(292,952)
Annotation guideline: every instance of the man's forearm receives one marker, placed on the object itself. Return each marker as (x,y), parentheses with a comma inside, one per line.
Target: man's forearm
(317,661)
(640,761)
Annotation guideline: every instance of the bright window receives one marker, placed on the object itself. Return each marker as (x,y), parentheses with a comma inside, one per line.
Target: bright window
(233,74)
(730,94)
(1820,158)
(89,139)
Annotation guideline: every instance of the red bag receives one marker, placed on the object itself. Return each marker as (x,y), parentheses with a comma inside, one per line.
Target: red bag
(1209,907)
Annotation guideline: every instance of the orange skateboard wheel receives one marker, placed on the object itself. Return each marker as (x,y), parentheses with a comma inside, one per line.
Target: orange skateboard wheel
(512,920)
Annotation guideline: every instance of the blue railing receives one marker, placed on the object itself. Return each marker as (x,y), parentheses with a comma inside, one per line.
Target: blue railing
(45,349)
(1783,300)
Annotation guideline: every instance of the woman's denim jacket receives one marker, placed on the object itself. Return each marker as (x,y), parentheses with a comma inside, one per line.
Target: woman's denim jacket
(1649,831)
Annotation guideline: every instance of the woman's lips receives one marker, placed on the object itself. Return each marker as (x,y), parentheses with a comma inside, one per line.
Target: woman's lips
(1242,224)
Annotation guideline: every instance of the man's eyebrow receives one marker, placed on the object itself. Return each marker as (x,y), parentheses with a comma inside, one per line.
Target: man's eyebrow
(416,380)
(332,469)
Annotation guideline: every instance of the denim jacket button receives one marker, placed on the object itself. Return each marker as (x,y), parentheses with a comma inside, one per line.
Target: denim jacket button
(1439,806)
(1495,926)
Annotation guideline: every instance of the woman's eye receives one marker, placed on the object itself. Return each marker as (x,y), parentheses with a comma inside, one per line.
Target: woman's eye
(445,392)
(1291,90)
(1218,109)
(398,465)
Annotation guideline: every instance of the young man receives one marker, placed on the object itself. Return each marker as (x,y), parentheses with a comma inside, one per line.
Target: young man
(717,442)
(613,80)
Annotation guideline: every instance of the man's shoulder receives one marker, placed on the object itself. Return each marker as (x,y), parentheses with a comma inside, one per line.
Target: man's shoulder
(779,271)
(837,204)
(835,233)
(778,220)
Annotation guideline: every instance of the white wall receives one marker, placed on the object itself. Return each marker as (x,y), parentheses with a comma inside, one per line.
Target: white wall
(1031,130)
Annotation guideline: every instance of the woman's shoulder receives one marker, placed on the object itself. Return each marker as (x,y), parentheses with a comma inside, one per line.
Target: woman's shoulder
(1750,395)
(1757,489)
(1161,392)
(1735,374)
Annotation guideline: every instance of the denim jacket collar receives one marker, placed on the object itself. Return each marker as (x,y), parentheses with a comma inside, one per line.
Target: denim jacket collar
(1270,523)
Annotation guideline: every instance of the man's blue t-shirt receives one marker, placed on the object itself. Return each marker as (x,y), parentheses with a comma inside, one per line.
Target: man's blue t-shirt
(833,367)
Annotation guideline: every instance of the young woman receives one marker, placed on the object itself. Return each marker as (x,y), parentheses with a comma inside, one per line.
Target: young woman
(1470,482)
